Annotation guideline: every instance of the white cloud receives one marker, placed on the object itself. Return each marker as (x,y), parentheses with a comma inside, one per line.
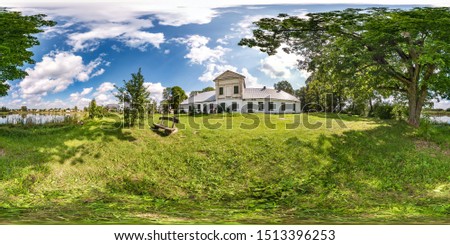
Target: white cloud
(213,70)
(55,73)
(98,73)
(156,90)
(104,95)
(245,26)
(79,100)
(281,65)
(184,16)
(250,80)
(86,91)
(199,52)
(167,51)
(128,32)
(222,41)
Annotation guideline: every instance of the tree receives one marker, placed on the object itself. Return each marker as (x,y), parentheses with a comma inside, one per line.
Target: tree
(207,89)
(93,109)
(23,108)
(135,97)
(15,41)
(285,86)
(391,51)
(195,92)
(173,96)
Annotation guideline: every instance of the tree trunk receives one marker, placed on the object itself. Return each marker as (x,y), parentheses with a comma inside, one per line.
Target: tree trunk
(416,100)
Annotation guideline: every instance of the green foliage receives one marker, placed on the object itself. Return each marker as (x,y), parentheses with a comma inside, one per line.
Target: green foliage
(23,108)
(16,39)
(384,110)
(285,86)
(173,96)
(135,98)
(94,110)
(391,51)
(448,109)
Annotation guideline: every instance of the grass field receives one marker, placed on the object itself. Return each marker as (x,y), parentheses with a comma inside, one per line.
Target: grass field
(353,171)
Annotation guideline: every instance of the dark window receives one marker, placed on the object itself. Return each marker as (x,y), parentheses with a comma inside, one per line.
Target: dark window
(198,107)
(236,89)
(283,106)
(221,91)
(250,106)
(293,107)
(234,106)
(261,106)
(221,108)
(271,106)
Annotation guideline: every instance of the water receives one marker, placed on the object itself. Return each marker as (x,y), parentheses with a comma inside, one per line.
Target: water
(440,119)
(35,118)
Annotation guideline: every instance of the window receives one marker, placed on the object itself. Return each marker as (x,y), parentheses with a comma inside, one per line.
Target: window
(250,106)
(261,106)
(221,91)
(283,106)
(236,89)
(234,106)
(198,107)
(271,106)
(293,107)
(221,108)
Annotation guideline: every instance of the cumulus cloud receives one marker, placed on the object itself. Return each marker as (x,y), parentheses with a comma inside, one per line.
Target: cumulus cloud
(199,52)
(213,70)
(250,80)
(281,65)
(128,32)
(184,16)
(104,95)
(55,73)
(78,99)
(156,90)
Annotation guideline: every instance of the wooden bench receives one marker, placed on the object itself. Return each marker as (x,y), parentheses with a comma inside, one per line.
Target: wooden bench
(167,129)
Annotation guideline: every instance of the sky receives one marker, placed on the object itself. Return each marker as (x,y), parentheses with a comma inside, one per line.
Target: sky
(98,44)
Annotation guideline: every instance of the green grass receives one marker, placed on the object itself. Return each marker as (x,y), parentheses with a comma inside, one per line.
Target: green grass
(369,171)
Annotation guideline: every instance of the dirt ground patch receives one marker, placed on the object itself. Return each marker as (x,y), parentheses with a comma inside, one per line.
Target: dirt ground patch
(427,145)
(2,152)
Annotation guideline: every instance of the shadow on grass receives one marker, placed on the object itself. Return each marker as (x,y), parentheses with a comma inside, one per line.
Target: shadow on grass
(376,174)
(67,144)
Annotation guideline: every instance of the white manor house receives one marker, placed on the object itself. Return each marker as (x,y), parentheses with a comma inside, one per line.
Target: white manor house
(231,95)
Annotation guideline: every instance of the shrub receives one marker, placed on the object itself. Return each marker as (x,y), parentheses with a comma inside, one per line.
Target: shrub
(383,111)
(448,109)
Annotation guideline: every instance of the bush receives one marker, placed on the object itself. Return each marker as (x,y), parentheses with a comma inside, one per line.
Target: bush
(400,111)
(448,109)
(383,111)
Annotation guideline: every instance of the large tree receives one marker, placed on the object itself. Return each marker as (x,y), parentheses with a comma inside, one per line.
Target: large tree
(135,97)
(285,86)
(401,51)
(173,96)
(16,38)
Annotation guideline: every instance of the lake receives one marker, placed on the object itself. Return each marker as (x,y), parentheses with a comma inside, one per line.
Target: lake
(440,119)
(35,118)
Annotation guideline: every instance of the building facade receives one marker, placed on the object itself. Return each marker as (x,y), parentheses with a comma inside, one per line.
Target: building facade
(231,95)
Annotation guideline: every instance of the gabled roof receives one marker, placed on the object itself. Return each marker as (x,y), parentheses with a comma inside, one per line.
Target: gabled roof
(201,97)
(260,93)
(227,75)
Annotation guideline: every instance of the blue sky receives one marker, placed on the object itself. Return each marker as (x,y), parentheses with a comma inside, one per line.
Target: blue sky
(97,45)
